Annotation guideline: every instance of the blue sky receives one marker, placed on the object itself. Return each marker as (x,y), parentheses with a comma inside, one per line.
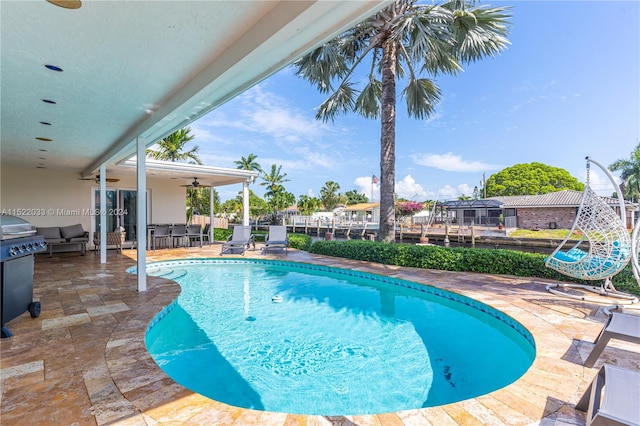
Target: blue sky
(568,86)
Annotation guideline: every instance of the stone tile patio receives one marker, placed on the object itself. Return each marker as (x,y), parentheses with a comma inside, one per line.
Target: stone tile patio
(83,361)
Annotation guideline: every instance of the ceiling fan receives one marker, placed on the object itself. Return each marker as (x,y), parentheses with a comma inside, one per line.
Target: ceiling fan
(97,179)
(194,184)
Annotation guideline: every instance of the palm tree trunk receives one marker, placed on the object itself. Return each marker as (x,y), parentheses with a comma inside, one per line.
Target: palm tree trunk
(388,143)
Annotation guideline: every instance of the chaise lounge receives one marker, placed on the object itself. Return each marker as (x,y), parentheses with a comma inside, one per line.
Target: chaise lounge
(239,241)
(620,326)
(277,239)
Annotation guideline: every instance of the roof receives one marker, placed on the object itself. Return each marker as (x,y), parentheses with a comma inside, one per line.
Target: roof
(361,207)
(186,173)
(472,204)
(140,69)
(566,198)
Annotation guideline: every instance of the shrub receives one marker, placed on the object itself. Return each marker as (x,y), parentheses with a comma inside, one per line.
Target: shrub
(458,259)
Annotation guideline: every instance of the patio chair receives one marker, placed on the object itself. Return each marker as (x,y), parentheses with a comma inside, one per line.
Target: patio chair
(239,241)
(161,233)
(612,398)
(179,233)
(205,232)
(620,326)
(194,233)
(276,239)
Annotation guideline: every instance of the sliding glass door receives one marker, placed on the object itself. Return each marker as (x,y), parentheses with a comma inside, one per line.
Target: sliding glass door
(121,210)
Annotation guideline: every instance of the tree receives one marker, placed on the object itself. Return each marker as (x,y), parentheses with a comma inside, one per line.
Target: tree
(171,148)
(630,175)
(330,195)
(198,201)
(248,163)
(404,41)
(531,179)
(273,180)
(307,205)
(355,197)
(406,209)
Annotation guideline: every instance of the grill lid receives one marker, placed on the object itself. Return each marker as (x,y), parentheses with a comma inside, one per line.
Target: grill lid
(14,227)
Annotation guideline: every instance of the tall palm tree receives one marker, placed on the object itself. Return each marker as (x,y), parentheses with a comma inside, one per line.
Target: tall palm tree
(171,148)
(273,180)
(404,41)
(630,175)
(249,163)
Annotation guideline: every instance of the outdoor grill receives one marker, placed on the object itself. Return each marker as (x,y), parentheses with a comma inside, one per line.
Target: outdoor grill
(19,244)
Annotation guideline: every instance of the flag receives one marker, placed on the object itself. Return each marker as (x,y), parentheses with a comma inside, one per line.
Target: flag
(374,179)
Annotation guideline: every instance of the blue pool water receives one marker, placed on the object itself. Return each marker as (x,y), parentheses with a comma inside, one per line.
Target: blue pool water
(307,339)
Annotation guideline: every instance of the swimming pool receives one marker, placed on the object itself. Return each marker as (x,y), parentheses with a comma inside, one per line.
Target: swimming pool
(308,339)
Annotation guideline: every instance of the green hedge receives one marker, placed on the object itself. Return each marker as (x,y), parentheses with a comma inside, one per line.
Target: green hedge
(487,261)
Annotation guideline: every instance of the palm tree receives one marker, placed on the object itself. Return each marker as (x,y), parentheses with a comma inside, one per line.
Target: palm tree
(248,163)
(403,40)
(329,195)
(630,175)
(273,181)
(171,148)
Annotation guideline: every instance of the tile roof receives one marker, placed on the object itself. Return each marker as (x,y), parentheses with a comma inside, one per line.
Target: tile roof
(566,198)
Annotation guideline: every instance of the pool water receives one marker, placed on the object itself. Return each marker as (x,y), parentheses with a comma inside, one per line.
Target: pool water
(306,339)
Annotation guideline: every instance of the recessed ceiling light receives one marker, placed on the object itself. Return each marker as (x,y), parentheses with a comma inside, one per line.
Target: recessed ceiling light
(54,68)
(48,101)
(67,4)
(45,123)
(44,139)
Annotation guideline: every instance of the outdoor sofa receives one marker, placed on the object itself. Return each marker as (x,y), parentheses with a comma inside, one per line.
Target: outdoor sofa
(65,236)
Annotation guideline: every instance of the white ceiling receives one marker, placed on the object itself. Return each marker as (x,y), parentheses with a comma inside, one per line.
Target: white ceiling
(140,68)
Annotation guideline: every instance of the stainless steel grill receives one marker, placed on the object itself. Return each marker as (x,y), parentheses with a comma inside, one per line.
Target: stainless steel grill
(18,246)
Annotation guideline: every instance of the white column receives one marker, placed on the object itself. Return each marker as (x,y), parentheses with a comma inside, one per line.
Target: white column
(103,214)
(211,215)
(141,213)
(245,203)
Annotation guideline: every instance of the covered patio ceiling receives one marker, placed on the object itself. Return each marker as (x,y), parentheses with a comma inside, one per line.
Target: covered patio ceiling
(78,86)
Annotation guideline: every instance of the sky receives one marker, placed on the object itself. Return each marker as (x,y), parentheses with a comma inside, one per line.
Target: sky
(567,87)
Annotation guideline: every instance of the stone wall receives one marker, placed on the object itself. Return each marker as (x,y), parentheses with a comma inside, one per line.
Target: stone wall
(546,218)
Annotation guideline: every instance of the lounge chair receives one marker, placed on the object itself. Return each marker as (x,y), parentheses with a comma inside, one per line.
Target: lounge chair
(239,241)
(612,398)
(276,239)
(620,326)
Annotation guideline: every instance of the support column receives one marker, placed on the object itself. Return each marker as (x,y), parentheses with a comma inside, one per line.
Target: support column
(211,215)
(103,214)
(141,212)
(245,203)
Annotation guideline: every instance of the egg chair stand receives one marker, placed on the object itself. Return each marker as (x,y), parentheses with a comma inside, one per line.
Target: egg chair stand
(609,250)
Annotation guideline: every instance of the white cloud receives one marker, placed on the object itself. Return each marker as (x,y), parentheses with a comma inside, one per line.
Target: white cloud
(406,188)
(409,189)
(600,183)
(452,163)
(364,185)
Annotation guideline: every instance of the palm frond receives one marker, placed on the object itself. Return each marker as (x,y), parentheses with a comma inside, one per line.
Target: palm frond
(368,102)
(322,65)
(341,101)
(480,32)
(422,95)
